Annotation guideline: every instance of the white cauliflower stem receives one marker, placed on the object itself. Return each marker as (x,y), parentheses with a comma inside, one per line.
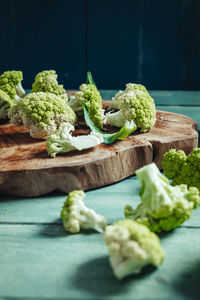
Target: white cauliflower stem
(63,141)
(76,215)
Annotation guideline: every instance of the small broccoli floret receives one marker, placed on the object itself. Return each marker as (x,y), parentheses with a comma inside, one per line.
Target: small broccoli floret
(10,83)
(62,141)
(130,87)
(42,113)
(89,95)
(76,216)
(135,105)
(162,207)
(182,169)
(5,104)
(172,162)
(132,246)
(46,81)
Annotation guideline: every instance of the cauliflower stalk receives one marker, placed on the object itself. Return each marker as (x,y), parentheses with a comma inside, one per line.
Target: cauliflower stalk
(10,83)
(133,104)
(63,141)
(46,81)
(132,246)
(182,169)
(163,207)
(42,113)
(89,95)
(5,104)
(76,216)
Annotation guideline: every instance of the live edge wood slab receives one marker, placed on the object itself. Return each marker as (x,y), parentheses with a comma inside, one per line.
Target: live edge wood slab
(26,170)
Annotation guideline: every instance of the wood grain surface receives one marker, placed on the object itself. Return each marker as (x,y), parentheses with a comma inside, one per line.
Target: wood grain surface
(26,169)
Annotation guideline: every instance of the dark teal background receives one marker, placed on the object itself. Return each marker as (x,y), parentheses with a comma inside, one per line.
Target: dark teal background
(155,42)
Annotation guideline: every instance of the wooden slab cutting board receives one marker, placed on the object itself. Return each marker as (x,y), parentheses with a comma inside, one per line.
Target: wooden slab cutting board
(26,169)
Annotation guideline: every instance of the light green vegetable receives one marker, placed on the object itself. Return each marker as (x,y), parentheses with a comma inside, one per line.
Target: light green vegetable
(132,246)
(46,81)
(5,104)
(62,141)
(130,87)
(76,216)
(42,113)
(89,95)
(163,207)
(182,169)
(124,132)
(10,83)
(133,104)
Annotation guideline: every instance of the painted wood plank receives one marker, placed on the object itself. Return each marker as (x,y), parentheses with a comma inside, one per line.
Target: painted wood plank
(17,38)
(60,39)
(185,98)
(166,43)
(113,35)
(43,262)
(194,79)
(108,201)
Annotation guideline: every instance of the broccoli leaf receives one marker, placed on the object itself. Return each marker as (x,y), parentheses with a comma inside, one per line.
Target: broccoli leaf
(123,133)
(89,79)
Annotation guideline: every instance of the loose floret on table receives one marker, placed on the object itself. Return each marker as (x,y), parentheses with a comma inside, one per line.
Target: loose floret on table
(89,95)
(46,81)
(76,216)
(62,141)
(10,83)
(133,104)
(42,113)
(163,207)
(182,169)
(132,246)
(5,104)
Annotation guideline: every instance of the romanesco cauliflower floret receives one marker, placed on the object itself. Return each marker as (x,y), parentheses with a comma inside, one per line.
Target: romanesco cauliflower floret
(46,81)
(62,141)
(162,207)
(182,169)
(132,246)
(89,95)
(5,104)
(76,216)
(10,83)
(134,105)
(130,87)
(42,113)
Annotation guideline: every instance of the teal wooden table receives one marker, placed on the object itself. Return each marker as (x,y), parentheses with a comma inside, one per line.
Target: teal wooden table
(39,260)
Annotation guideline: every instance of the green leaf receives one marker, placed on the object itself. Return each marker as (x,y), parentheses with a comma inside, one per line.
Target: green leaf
(109,138)
(89,79)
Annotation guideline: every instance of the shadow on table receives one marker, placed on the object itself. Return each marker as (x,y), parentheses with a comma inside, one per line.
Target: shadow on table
(53,230)
(188,283)
(96,277)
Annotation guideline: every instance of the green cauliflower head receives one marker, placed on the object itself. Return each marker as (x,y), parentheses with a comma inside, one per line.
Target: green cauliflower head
(42,113)
(132,246)
(130,87)
(46,81)
(182,169)
(163,207)
(135,105)
(5,104)
(10,83)
(76,215)
(89,95)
